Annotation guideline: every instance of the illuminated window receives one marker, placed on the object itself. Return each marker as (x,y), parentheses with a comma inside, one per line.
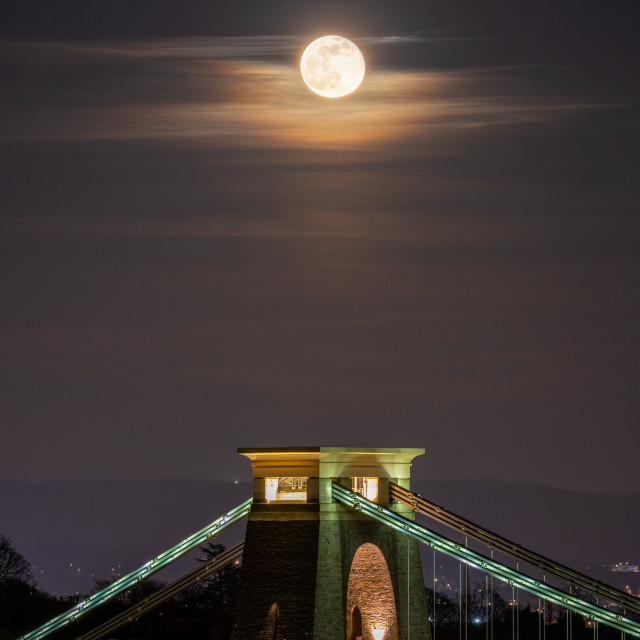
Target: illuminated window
(271,488)
(291,489)
(367,487)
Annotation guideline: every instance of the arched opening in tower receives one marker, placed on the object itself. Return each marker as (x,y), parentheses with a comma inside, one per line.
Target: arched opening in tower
(356,624)
(271,626)
(370,592)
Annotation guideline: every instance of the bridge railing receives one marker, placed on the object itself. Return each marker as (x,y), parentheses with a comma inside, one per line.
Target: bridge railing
(488,565)
(494,541)
(159,562)
(162,595)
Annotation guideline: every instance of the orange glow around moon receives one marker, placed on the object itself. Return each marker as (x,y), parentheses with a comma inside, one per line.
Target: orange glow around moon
(332,66)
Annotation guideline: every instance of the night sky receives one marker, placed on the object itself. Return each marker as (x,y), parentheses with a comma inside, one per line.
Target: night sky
(199,254)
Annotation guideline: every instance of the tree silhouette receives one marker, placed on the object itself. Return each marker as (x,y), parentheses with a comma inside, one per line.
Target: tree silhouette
(22,605)
(13,565)
(219,587)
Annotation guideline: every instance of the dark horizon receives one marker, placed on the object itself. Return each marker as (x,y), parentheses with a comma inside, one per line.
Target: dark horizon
(123,524)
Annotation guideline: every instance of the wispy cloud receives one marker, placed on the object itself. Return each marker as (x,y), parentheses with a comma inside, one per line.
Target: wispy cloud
(230,91)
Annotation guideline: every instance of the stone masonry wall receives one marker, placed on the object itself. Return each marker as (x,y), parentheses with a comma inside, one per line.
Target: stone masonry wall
(278,567)
(339,541)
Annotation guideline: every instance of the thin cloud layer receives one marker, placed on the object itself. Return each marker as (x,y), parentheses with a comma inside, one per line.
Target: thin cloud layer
(206,90)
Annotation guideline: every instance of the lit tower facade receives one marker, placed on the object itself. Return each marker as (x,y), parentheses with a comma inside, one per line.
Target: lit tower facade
(318,570)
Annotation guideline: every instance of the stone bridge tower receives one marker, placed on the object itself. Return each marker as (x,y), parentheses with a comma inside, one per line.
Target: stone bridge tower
(313,569)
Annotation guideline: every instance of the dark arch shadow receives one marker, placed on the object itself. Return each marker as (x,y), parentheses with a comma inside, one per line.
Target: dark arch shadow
(356,624)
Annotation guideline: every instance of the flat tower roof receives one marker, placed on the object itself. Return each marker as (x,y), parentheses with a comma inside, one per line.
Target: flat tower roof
(347,450)
(331,461)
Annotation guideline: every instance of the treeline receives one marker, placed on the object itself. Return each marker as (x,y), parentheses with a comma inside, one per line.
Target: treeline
(22,603)
(200,612)
(204,610)
(476,617)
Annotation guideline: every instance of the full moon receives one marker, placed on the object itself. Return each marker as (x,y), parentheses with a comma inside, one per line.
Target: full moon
(332,66)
